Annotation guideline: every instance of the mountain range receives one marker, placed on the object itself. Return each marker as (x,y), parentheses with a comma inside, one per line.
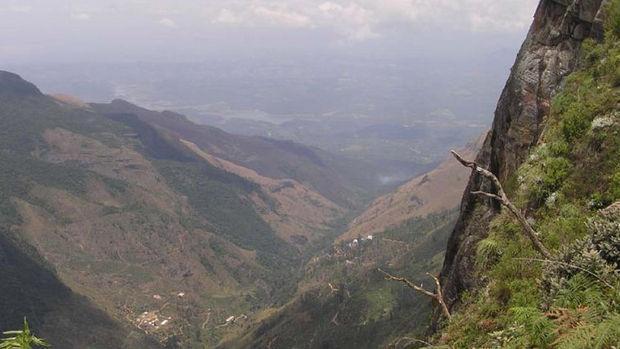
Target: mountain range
(124,227)
(160,223)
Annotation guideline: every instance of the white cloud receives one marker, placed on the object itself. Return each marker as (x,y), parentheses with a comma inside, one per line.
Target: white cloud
(508,16)
(15,7)
(80,16)
(478,15)
(167,22)
(261,15)
(20,8)
(281,16)
(352,21)
(226,16)
(359,20)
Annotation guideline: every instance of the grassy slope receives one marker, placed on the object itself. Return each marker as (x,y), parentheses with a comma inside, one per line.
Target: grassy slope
(219,197)
(435,191)
(30,289)
(572,174)
(364,311)
(30,286)
(217,201)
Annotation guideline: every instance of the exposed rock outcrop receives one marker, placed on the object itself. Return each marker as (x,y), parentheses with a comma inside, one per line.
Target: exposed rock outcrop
(548,55)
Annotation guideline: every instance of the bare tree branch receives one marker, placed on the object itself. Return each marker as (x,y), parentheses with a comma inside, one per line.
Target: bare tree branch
(502,198)
(335,319)
(489,195)
(408,340)
(437,295)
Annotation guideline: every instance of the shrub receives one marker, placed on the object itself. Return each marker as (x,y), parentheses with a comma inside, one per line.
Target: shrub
(613,20)
(555,171)
(488,252)
(544,173)
(614,190)
(22,339)
(597,255)
(605,334)
(575,122)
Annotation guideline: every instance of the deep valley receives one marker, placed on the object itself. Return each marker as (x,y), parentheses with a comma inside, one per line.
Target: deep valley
(316,222)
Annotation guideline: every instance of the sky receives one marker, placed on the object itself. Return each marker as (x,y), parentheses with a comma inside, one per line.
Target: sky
(171,30)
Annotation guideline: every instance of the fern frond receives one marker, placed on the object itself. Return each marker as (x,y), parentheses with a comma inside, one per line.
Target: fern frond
(540,330)
(602,335)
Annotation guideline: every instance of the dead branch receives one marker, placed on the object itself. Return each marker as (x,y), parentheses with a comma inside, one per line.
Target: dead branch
(204,324)
(271,341)
(502,198)
(437,295)
(335,319)
(409,340)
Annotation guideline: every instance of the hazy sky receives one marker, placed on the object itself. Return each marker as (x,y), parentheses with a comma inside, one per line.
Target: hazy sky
(100,30)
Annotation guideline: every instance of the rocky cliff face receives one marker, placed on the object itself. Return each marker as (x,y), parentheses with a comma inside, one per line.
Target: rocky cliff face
(548,54)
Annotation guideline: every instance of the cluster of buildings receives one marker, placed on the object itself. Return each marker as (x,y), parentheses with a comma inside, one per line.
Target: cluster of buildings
(356,242)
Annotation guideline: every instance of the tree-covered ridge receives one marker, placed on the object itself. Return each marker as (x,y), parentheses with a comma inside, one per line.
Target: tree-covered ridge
(565,188)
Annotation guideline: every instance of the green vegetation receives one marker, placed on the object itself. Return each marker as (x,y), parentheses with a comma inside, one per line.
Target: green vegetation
(22,339)
(574,300)
(222,198)
(219,202)
(23,120)
(361,308)
(412,229)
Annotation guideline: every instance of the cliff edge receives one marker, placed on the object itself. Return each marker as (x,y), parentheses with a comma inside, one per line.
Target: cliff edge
(548,55)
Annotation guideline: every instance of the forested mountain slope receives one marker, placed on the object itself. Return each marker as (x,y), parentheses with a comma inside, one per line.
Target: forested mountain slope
(30,285)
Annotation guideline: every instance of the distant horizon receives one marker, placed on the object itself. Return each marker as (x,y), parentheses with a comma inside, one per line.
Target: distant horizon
(352,74)
(81,31)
